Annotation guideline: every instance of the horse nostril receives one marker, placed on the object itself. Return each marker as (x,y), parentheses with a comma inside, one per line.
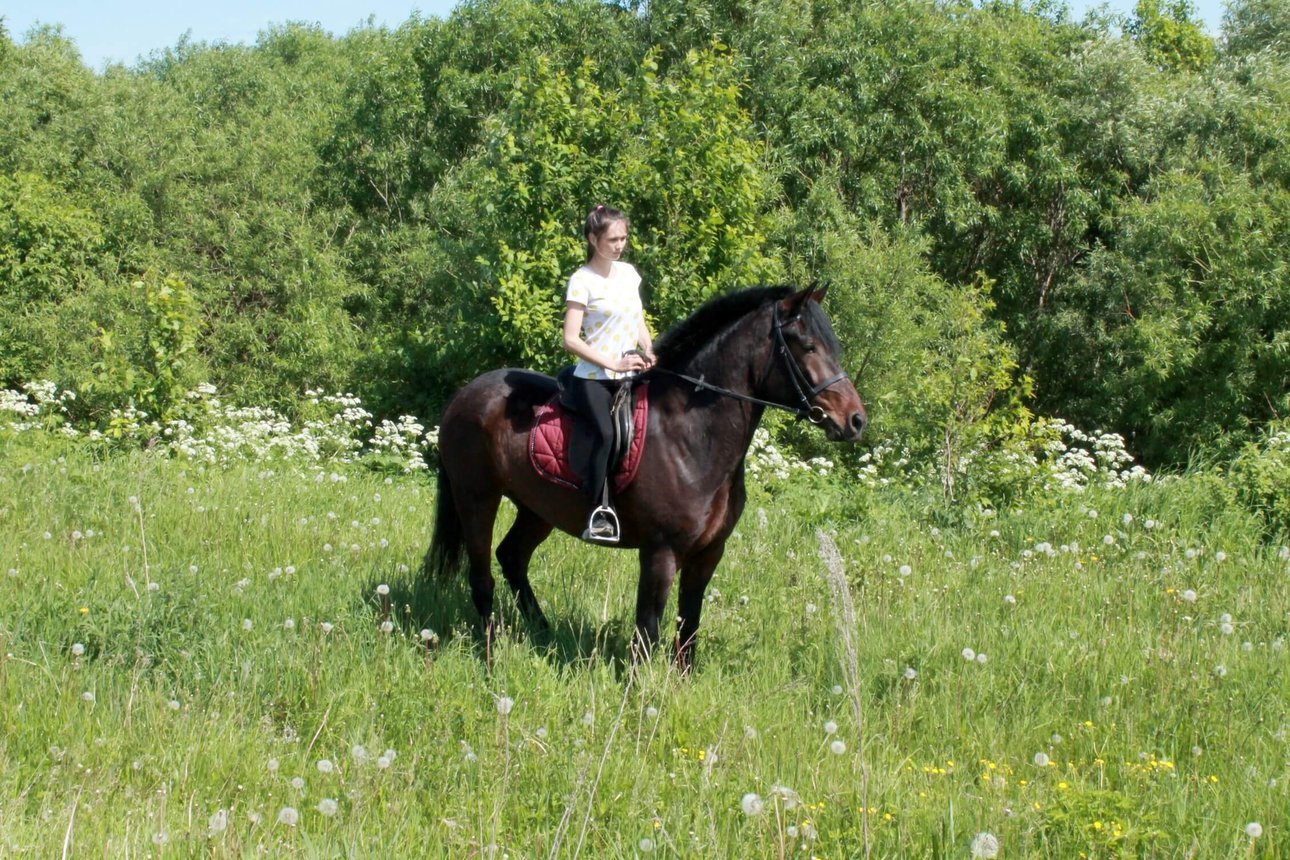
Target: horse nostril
(859,422)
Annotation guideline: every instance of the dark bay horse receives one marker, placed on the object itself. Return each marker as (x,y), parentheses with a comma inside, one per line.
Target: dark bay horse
(717,372)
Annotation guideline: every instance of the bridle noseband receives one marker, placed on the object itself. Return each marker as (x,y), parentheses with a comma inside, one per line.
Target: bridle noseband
(806,391)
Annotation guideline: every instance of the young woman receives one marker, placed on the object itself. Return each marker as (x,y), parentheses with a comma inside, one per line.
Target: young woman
(604,326)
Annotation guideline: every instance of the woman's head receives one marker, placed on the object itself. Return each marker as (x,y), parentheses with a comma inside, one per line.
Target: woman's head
(606,232)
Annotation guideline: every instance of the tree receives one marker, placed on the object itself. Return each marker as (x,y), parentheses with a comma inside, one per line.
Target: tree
(1170,36)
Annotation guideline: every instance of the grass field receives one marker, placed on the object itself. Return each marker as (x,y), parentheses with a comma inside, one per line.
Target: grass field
(202,662)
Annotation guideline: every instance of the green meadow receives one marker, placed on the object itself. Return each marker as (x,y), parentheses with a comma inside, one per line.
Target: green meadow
(244,660)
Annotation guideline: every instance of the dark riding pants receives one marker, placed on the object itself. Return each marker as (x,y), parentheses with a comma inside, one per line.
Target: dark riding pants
(589,448)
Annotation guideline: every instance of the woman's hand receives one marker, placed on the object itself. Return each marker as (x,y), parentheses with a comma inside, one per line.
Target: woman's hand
(632,362)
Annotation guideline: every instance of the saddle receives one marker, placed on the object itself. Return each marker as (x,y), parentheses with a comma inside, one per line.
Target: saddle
(556,422)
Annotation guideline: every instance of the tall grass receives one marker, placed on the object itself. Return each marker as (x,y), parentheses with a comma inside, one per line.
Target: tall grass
(193,661)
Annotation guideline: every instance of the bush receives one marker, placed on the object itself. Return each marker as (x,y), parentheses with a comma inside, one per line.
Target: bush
(1260,476)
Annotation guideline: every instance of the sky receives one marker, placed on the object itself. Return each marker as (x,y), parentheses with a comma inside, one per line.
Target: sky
(128,30)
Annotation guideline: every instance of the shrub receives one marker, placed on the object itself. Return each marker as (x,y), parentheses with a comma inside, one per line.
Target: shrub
(1261,477)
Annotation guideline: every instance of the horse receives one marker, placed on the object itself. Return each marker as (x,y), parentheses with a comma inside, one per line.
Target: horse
(716,373)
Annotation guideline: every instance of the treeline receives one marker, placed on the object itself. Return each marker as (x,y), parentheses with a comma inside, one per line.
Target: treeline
(1017,213)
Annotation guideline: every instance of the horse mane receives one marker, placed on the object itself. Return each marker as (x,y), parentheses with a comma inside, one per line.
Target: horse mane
(686,340)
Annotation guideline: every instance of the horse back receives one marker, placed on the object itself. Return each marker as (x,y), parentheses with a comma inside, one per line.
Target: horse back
(509,396)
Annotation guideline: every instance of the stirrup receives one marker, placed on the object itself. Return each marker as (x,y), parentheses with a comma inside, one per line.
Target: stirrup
(605,531)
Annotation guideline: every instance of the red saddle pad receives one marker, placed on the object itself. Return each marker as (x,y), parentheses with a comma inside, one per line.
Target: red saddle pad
(549,443)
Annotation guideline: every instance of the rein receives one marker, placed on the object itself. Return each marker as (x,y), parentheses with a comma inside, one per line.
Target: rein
(801,382)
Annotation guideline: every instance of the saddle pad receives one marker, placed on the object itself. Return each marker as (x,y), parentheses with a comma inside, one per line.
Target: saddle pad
(549,443)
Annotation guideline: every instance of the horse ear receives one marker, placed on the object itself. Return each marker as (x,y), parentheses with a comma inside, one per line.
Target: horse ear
(793,304)
(817,292)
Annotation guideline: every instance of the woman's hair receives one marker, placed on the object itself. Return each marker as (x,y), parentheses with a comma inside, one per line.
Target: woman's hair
(598,221)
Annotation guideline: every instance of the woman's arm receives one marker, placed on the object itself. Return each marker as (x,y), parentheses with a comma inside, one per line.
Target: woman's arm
(645,341)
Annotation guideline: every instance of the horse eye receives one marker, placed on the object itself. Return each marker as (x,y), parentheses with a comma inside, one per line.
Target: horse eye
(808,345)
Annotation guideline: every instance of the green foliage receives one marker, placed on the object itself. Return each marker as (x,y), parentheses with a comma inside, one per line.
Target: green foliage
(1099,215)
(1169,35)
(1261,477)
(1250,26)
(149,363)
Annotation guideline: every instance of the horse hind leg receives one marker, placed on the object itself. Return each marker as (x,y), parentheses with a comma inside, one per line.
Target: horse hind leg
(477,514)
(514,553)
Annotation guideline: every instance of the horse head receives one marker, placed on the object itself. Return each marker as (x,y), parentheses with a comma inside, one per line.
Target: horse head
(810,358)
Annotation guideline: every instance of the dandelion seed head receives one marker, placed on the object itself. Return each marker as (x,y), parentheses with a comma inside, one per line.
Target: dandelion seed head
(1254,830)
(830,728)
(837,747)
(78,649)
(325,765)
(969,654)
(328,806)
(289,816)
(504,705)
(651,712)
(985,846)
(1041,759)
(1189,596)
(751,804)
(218,822)
(981,658)
(298,783)
(387,626)
(906,570)
(910,673)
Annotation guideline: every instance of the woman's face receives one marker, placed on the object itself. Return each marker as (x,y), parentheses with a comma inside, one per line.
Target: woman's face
(611,242)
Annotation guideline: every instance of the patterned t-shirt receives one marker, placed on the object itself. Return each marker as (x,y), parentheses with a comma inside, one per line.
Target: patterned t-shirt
(611,323)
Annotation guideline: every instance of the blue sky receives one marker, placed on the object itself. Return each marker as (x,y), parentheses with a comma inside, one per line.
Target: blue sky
(125,31)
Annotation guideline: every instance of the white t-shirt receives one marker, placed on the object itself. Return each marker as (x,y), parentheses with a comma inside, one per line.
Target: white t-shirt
(611,323)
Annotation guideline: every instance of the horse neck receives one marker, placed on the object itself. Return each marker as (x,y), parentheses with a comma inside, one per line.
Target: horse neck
(737,361)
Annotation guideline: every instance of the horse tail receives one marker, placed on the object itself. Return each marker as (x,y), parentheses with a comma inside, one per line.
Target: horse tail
(447,547)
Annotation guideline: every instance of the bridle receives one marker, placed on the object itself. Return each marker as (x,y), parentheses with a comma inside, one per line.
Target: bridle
(806,390)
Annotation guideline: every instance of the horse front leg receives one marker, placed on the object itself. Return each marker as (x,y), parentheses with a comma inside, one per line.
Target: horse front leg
(658,570)
(695,576)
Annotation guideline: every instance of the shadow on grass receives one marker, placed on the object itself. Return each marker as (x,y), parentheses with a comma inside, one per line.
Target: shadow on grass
(422,602)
